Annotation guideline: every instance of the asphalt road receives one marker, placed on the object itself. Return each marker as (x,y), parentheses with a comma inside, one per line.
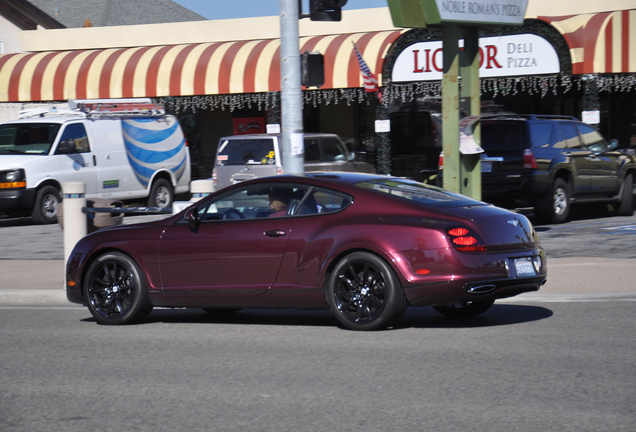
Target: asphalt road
(533,367)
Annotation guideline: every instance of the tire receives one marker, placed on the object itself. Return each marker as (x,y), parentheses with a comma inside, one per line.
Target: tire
(626,204)
(557,205)
(161,194)
(364,293)
(45,208)
(464,309)
(115,290)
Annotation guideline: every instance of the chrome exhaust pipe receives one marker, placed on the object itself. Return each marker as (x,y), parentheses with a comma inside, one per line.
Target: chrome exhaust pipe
(481,289)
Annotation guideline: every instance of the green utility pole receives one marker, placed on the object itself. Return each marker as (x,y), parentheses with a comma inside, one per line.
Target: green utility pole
(470,167)
(459,20)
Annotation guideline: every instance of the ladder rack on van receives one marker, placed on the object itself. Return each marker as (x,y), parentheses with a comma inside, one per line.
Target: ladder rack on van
(126,109)
(98,108)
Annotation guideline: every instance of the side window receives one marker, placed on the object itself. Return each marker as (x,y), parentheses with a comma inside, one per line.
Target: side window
(312,151)
(571,136)
(330,201)
(77,133)
(333,150)
(259,202)
(540,134)
(591,138)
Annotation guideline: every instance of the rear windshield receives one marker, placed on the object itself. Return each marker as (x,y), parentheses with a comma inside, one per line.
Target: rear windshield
(28,138)
(502,135)
(412,191)
(246,151)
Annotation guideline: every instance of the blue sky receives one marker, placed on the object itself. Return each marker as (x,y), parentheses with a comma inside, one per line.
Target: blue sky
(224,9)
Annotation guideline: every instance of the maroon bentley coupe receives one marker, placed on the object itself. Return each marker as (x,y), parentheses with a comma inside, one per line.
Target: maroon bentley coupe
(365,246)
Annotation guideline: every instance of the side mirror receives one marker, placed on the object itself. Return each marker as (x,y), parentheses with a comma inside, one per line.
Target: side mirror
(613,144)
(66,146)
(352,156)
(194,221)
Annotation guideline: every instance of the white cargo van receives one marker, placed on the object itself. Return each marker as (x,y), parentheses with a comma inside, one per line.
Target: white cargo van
(121,149)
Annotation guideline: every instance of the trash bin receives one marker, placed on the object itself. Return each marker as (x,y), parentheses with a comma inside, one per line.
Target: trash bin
(95,221)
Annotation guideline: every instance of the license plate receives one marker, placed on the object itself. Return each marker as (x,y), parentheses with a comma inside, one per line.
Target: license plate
(524,267)
(486,166)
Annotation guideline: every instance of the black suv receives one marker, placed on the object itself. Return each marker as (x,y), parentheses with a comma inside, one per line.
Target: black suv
(551,162)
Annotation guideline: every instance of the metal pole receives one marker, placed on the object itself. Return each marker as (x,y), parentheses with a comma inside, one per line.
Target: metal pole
(291,94)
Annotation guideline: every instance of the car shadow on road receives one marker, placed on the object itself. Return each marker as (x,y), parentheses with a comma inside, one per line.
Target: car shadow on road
(414,317)
(497,315)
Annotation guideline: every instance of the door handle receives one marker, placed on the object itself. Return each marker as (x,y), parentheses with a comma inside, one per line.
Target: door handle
(275,233)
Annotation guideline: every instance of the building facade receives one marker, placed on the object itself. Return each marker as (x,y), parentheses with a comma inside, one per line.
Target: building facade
(219,75)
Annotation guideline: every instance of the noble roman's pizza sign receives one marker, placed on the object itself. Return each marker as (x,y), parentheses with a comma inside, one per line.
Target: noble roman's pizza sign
(500,56)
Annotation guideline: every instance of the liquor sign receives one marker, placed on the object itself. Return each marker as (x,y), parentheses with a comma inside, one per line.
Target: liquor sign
(500,56)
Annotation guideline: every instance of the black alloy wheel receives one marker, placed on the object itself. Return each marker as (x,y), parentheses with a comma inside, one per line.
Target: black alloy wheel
(364,293)
(115,290)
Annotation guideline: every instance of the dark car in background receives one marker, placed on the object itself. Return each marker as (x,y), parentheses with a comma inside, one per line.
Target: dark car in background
(365,246)
(250,156)
(551,163)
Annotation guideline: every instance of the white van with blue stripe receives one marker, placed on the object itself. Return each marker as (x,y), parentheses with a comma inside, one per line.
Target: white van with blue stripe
(121,149)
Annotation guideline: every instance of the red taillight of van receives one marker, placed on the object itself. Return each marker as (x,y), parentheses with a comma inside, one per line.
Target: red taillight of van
(529,161)
(215,179)
(440,162)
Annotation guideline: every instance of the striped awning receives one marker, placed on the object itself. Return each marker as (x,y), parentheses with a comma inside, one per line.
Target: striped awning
(603,42)
(181,70)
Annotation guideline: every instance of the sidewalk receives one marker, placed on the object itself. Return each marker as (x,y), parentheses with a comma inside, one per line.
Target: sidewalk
(26,282)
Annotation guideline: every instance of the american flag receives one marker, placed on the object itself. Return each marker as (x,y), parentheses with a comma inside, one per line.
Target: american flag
(370,81)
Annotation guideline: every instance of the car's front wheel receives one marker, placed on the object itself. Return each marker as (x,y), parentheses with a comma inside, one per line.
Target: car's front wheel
(115,290)
(464,309)
(364,293)
(626,204)
(47,202)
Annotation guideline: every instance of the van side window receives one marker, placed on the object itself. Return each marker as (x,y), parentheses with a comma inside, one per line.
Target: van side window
(333,150)
(77,133)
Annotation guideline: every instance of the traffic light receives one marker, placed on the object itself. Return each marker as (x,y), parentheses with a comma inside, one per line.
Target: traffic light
(313,69)
(326,10)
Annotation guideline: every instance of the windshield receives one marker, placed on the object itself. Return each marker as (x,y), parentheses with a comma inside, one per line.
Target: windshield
(246,151)
(27,138)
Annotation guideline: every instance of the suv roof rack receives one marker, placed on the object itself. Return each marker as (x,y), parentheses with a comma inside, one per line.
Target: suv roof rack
(98,108)
(488,116)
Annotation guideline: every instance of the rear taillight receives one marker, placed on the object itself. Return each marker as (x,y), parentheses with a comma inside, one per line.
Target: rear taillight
(440,162)
(529,161)
(465,240)
(215,179)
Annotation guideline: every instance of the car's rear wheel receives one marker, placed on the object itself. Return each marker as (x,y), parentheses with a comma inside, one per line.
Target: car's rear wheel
(626,204)
(47,202)
(556,208)
(161,194)
(115,290)
(364,293)
(464,309)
